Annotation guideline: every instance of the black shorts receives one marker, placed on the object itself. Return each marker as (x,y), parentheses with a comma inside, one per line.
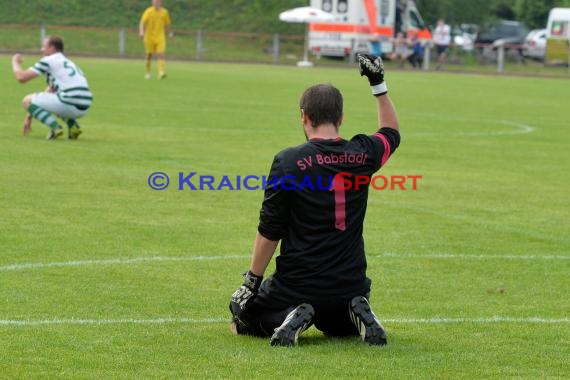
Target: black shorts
(274,301)
(441,49)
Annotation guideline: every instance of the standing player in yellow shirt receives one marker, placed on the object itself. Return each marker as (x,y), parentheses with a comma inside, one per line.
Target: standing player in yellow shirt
(155,23)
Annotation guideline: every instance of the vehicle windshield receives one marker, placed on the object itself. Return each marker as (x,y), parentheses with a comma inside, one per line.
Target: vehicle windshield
(416,20)
(504,30)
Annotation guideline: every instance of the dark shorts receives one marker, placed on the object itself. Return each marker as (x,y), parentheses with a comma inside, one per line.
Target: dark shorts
(274,301)
(441,49)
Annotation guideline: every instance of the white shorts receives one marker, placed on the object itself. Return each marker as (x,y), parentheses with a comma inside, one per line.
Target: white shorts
(51,103)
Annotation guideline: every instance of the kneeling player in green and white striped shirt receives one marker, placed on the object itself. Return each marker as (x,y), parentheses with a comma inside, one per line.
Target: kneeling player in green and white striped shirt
(67,95)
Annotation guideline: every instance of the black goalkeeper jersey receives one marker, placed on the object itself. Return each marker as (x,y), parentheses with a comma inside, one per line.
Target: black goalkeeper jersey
(320,223)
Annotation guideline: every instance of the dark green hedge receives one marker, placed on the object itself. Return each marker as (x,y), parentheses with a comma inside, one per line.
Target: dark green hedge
(260,16)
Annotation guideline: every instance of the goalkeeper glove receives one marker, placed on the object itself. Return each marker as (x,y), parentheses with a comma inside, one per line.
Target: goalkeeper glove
(373,68)
(244,295)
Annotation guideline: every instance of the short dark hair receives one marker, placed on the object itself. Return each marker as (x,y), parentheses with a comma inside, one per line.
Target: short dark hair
(56,42)
(322,104)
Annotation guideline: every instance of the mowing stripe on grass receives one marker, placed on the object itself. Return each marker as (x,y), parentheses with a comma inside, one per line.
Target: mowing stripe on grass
(168,320)
(147,259)
(120,321)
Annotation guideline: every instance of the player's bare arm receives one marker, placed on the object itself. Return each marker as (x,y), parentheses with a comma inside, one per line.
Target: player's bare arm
(387,116)
(141,29)
(20,74)
(263,251)
(27,125)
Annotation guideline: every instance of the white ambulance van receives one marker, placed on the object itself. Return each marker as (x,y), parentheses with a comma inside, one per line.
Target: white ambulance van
(363,26)
(558,36)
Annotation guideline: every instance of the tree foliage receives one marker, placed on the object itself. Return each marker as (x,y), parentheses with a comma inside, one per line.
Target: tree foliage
(211,15)
(534,13)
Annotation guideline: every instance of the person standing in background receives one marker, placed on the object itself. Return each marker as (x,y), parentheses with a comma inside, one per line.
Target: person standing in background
(442,39)
(153,27)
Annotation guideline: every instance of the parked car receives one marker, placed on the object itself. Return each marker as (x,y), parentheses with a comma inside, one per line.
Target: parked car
(464,35)
(535,44)
(511,34)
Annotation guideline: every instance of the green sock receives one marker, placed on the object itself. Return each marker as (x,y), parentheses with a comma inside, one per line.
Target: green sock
(43,116)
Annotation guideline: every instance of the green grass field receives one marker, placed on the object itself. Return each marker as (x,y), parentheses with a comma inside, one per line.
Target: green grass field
(102,277)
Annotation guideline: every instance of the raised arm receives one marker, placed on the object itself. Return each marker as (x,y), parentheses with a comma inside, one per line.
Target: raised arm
(373,68)
(20,74)
(387,116)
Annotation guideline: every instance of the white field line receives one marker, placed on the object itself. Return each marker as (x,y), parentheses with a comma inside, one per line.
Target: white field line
(470,257)
(148,259)
(116,261)
(168,320)
(519,128)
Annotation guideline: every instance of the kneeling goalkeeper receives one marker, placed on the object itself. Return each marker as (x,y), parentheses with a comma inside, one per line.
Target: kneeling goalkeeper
(320,275)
